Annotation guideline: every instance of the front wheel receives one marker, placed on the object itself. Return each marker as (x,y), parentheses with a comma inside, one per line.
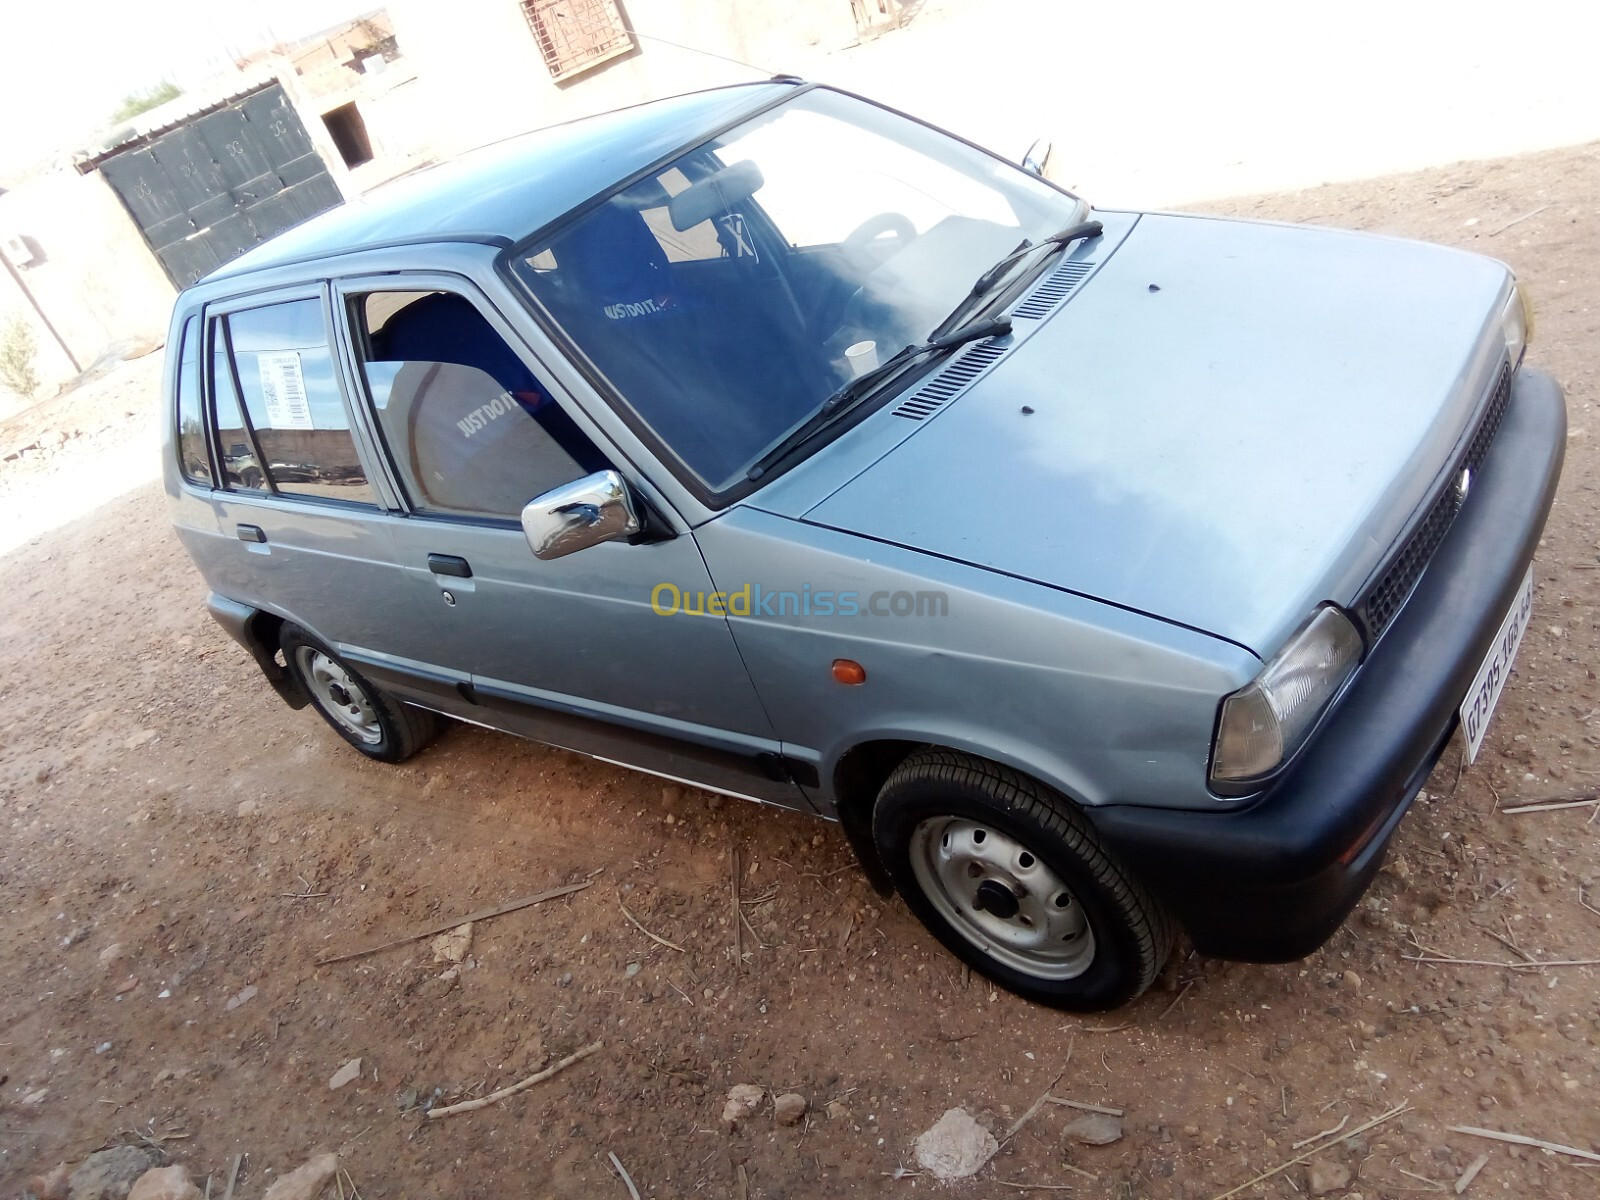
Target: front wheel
(375,723)
(1015,882)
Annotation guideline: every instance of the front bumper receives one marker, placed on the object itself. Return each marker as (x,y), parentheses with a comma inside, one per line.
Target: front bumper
(1273,881)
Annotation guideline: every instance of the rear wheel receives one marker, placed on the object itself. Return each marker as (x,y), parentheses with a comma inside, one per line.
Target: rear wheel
(1012,878)
(372,721)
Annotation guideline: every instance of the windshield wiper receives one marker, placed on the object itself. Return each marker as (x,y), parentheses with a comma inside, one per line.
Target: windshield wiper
(863,385)
(991,278)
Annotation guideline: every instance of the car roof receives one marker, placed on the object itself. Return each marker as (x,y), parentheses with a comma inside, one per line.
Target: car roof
(505,191)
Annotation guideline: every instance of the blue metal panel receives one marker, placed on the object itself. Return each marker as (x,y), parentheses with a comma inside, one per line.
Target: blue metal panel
(1106,705)
(1227,425)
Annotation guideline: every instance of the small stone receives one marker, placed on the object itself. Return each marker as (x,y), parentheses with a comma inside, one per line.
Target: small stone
(836,1110)
(565,980)
(671,794)
(34,1098)
(165,1074)
(110,954)
(42,775)
(452,945)
(109,1174)
(955,1147)
(1352,981)
(52,1185)
(1191,1131)
(1327,1176)
(1094,1129)
(165,1183)
(246,808)
(244,996)
(743,1099)
(127,985)
(631,971)
(346,1074)
(789,1108)
(713,802)
(307,1182)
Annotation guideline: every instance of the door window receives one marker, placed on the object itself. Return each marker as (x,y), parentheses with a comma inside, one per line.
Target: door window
(471,430)
(291,434)
(241,466)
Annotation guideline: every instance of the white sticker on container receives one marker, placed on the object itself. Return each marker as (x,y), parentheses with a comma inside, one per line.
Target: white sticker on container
(283,389)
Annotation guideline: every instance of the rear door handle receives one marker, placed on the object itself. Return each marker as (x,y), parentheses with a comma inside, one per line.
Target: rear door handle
(450,564)
(250,533)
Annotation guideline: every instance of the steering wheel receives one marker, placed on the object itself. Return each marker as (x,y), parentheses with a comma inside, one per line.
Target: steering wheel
(862,237)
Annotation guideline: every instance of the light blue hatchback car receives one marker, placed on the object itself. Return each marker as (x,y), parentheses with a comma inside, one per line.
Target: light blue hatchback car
(1103,574)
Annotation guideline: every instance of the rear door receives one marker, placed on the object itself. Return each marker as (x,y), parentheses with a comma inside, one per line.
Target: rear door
(302,529)
(571,651)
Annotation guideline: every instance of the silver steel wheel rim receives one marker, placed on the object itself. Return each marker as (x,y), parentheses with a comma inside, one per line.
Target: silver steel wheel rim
(338,695)
(968,869)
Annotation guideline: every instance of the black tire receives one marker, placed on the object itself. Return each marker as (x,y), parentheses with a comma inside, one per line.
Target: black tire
(1117,938)
(374,722)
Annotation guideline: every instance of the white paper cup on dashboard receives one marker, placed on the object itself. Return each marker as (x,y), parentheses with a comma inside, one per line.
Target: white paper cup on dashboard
(861,357)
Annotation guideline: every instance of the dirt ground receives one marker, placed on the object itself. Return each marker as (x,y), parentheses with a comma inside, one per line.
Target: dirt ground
(179,850)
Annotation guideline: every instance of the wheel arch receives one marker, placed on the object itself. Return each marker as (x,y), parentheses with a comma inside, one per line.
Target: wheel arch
(258,630)
(860,772)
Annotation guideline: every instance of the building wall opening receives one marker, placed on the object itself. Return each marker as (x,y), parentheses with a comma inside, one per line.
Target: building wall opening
(349,133)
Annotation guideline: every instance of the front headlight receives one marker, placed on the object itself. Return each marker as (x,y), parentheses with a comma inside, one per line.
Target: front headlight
(1262,725)
(1516,322)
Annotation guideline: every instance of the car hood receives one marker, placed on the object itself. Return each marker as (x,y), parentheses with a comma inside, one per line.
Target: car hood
(1226,425)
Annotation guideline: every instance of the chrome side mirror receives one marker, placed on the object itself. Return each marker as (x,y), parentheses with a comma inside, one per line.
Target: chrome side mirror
(574,516)
(1037,158)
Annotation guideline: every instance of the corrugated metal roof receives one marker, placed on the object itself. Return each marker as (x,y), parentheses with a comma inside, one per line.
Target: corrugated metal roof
(196,102)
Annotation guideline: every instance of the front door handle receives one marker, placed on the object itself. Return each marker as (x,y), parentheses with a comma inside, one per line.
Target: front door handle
(450,564)
(251,533)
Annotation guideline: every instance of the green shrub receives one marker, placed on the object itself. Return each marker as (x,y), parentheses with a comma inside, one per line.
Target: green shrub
(17,350)
(135,103)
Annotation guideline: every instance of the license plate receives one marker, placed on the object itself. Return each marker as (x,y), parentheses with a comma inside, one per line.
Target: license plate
(1485,691)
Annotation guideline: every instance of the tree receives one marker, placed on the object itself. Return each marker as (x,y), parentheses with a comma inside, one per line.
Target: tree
(135,103)
(17,349)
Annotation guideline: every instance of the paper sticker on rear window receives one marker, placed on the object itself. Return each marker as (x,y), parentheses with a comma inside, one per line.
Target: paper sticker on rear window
(283,390)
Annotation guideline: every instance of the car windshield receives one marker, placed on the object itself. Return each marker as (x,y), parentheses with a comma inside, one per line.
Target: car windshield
(726,296)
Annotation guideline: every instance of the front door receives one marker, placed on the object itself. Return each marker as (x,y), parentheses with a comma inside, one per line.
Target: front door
(570,651)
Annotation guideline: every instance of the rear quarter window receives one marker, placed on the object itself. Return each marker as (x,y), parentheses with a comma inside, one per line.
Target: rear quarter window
(194,455)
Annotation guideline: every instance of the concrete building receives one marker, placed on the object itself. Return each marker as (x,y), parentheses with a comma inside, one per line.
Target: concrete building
(492,68)
(95,248)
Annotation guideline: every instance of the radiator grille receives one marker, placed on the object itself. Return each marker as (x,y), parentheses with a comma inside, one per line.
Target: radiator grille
(1399,577)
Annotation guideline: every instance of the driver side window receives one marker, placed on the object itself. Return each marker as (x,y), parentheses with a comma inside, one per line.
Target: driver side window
(470,429)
